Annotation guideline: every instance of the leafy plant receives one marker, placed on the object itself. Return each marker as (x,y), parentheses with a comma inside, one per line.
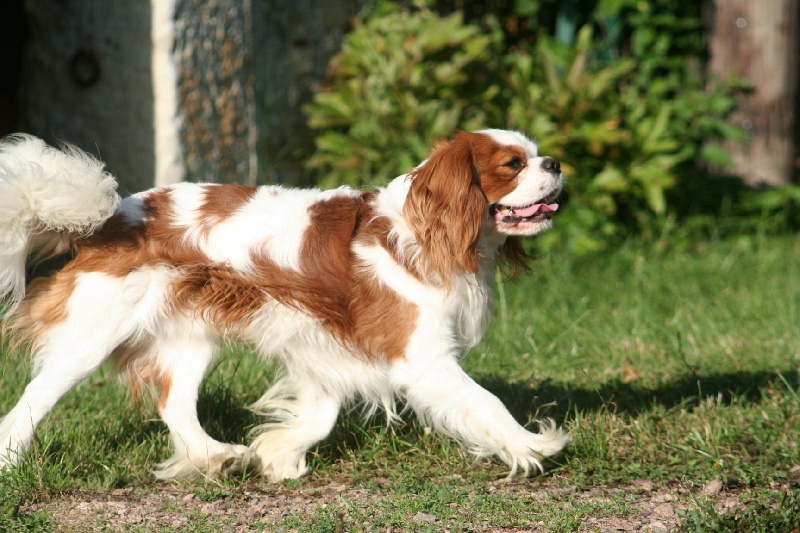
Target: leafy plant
(628,113)
(625,134)
(401,79)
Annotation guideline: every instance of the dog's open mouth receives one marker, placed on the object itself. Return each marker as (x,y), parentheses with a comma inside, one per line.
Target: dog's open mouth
(511,215)
(528,219)
(539,210)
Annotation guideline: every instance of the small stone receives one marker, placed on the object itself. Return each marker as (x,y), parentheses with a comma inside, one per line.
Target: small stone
(643,484)
(712,488)
(656,527)
(424,517)
(664,510)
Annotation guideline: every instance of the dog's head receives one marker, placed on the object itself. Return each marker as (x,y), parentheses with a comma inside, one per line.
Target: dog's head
(480,182)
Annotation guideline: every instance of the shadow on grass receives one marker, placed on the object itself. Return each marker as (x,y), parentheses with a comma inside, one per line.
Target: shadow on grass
(223,415)
(559,399)
(226,419)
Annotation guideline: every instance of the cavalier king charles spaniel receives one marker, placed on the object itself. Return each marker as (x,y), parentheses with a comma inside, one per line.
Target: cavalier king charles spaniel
(361,296)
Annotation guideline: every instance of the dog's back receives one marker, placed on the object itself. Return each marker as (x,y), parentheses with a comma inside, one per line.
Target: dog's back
(362,296)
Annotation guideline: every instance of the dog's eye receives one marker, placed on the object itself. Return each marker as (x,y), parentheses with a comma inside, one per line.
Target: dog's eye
(515,163)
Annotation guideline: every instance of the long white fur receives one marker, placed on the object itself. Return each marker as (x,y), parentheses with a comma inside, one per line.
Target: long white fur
(42,191)
(69,191)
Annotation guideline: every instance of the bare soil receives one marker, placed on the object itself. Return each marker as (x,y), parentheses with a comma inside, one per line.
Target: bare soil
(263,508)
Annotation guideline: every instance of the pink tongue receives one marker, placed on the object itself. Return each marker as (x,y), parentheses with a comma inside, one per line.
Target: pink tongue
(535,209)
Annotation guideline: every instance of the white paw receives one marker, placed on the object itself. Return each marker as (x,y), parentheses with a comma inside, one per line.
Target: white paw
(224,459)
(277,458)
(235,459)
(278,471)
(526,453)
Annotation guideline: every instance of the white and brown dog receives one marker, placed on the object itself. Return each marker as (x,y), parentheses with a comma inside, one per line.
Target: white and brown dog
(369,296)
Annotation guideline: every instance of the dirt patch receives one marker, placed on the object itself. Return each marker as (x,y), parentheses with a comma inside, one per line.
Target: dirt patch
(643,508)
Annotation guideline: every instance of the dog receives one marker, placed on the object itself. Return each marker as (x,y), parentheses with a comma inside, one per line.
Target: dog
(361,296)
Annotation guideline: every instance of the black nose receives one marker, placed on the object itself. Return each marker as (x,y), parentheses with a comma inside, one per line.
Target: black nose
(551,165)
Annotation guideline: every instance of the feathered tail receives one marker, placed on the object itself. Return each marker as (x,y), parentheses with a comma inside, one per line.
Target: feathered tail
(45,195)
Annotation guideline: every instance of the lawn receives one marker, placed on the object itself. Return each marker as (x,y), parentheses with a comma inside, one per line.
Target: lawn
(676,373)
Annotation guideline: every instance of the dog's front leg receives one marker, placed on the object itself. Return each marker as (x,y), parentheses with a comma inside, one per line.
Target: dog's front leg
(447,399)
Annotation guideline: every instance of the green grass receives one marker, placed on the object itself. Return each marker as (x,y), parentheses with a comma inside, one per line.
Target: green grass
(675,367)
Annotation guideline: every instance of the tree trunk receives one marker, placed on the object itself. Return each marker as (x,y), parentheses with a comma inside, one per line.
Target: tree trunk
(294,42)
(215,85)
(87,80)
(167,90)
(758,42)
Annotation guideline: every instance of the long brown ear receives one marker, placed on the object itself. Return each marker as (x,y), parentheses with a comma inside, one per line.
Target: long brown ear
(445,207)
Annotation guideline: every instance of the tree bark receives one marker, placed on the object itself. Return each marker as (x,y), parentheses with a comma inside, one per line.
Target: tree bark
(758,42)
(294,42)
(215,85)
(87,80)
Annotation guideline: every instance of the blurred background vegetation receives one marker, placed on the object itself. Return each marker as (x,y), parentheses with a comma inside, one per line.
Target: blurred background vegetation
(618,90)
(653,144)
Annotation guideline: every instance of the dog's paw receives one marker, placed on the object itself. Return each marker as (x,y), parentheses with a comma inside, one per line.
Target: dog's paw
(527,453)
(276,457)
(235,459)
(550,440)
(276,471)
(225,459)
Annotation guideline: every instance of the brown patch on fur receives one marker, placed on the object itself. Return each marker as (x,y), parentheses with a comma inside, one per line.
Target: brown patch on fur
(166,386)
(220,202)
(490,159)
(43,307)
(354,307)
(141,372)
(329,286)
(217,293)
(120,247)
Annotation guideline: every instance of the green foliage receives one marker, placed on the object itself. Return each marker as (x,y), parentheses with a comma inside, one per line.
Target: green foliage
(765,515)
(401,79)
(677,368)
(628,127)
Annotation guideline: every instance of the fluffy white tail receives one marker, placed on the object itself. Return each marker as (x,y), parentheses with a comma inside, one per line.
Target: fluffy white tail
(46,193)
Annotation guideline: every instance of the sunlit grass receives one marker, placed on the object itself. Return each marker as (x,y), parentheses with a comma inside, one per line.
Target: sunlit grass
(672,366)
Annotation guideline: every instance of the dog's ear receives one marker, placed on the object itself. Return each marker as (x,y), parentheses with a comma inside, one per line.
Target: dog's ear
(445,208)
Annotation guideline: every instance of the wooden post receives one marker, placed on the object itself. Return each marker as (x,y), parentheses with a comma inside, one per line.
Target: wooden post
(758,42)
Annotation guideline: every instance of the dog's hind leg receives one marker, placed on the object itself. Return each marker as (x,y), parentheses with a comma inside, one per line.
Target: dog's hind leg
(67,347)
(301,415)
(182,359)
